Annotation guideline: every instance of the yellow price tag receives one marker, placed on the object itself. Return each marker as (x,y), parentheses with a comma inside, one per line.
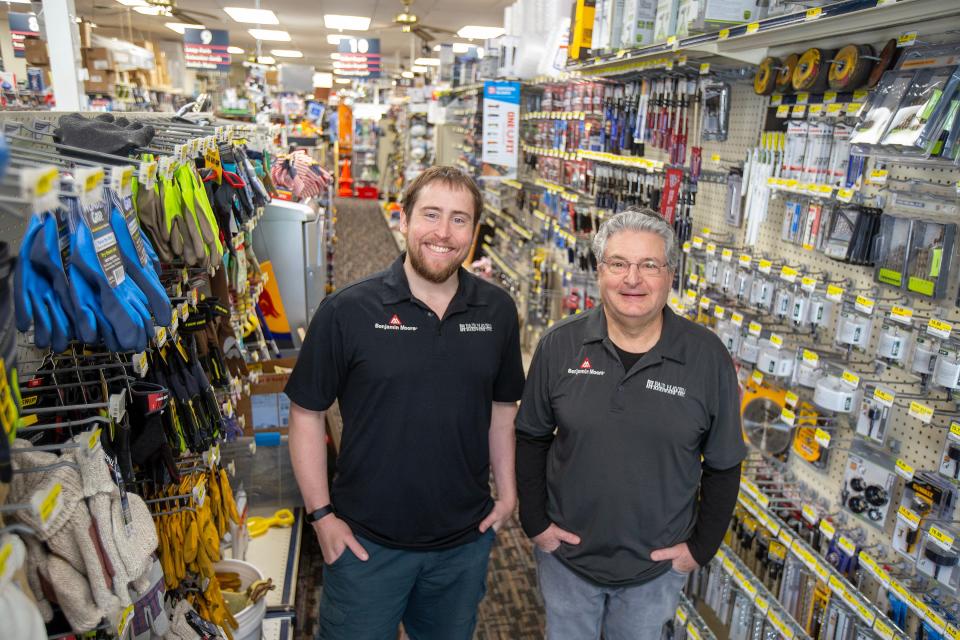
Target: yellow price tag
(753,27)
(810,514)
(764,266)
(776,340)
(834,293)
(864,304)
(783,111)
(815,110)
(847,545)
(844,194)
(905,513)
(755,328)
(745,260)
(954,431)
(757,377)
(719,312)
(736,319)
(829,97)
(803,98)
(726,255)
(834,108)
(920,411)
(788,416)
(672,41)
(5,552)
(723,35)
(715,157)
(906,39)
(799,110)
(905,471)
(49,503)
(761,604)
(850,378)
(939,328)
(822,437)
(788,274)
(812,14)
(883,396)
(942,538)
(704,68)
(791,399)
(903,315)
(884,630)
(687,246)
(124,622)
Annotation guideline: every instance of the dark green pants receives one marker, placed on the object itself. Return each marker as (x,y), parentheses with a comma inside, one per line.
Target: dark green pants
(434,593)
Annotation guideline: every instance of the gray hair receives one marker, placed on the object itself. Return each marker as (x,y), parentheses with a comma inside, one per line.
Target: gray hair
(634,219)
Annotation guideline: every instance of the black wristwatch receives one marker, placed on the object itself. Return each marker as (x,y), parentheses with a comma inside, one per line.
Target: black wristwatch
(319,513)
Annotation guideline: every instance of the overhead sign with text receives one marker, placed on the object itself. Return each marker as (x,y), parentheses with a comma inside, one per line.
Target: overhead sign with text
(358,58)
(206,49)
(501,129)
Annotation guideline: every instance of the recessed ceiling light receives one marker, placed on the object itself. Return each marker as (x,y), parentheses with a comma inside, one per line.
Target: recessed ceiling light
(237,51)
(335,38)
(275,35)
(346,23)
(180,27)
(427,62)
(253,16)
(419,68)
(150,10)
(407,74)
(287,53)
(266,60)
(477,32)
(343,81)
(126,3)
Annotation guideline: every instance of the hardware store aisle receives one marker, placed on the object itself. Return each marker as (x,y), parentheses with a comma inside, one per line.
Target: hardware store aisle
(512,608)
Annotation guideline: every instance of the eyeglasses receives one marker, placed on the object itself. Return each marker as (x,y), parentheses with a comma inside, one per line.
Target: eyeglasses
(650,268)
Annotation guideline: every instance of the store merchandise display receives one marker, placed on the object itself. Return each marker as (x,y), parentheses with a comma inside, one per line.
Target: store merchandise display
(134,295)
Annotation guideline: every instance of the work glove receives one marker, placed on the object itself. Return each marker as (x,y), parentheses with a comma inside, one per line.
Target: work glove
(197,223)
(150,212)
(185,240)
(142,274)
(38,288)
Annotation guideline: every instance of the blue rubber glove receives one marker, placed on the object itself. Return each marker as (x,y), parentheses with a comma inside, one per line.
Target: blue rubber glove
(151,253)
(124,306)
(37,302)
(144,276)
(85,301)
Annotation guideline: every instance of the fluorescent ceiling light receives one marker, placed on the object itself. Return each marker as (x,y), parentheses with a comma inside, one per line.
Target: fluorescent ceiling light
(419,68)
(476,32)
(436,47)
(427,62)
(252,16)
(237,51)
(180,27)
(126,3)
(346,23)
(335,55)
(343,81)
(335,38)
(275,35)
(458,47)
(323,79)
(266,60)
(407,74)
(150,10)
(287,53)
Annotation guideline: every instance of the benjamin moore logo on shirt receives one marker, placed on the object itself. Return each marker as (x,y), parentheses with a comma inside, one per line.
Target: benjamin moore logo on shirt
(475,327)
(586,369)
(656,385)
(394,324)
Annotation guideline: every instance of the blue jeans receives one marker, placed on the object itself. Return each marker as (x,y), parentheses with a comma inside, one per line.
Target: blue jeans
(577,609)
(434,593)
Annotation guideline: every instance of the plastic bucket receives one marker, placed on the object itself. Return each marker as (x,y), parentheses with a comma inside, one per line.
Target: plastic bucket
(249,620)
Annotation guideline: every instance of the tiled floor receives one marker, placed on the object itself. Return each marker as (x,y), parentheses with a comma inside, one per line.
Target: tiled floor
(512,608)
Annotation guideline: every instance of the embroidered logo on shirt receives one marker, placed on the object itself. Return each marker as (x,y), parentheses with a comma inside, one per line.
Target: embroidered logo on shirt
(673,390)
(394,324)
(585,369)
(475,327)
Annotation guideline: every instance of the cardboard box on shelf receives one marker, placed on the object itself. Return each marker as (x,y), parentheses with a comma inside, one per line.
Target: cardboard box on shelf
(36,52)
(100,82)
(267,408)
(97,58)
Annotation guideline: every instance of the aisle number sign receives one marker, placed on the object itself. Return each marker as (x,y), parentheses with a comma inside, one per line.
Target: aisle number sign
(501,128)
(206,49)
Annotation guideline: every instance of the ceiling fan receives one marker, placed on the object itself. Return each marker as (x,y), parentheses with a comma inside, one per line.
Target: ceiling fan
(408,22)
(166,8)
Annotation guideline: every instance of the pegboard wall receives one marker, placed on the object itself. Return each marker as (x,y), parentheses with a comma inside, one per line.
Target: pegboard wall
(909,439)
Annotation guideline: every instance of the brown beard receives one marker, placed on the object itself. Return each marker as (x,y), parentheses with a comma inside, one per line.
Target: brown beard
(437,277)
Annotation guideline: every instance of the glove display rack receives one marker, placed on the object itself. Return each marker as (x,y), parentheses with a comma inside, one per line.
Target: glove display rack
(130,333)
(808,167)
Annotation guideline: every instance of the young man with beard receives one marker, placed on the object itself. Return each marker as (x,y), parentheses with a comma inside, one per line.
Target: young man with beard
(628,445)
(424,359)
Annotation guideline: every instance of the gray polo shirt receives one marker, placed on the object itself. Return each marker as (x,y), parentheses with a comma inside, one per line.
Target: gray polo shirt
(623,471)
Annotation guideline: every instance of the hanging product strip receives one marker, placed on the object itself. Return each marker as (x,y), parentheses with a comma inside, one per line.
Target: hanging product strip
(143,344)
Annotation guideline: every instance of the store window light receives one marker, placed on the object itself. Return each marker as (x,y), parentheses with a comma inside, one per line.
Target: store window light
(275,35)
(287,53)
(346,23)
(477,32)
(427,62)
(237,51)
(252,16)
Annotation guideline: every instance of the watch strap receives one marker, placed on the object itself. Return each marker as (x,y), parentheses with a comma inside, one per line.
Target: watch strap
(319,513)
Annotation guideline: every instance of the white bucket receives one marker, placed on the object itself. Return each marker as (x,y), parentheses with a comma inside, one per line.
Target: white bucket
(249,620)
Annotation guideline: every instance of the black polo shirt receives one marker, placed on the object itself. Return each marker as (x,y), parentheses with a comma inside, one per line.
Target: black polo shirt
(623,471)
(416,395)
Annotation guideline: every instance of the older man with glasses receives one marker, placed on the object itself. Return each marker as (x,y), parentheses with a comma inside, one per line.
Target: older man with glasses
(628,445)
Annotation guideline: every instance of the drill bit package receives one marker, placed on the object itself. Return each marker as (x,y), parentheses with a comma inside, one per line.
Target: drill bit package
(883,105)
(894,245)
(716,110)
(920,103)
(950,459)
(931,252)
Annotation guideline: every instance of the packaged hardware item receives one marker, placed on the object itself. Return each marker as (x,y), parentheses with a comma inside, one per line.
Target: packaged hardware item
(950,459)
(931,252)
(882,106)
(919,104)
(639,18)
(939,556)
(868,484)
(873,414)
(894,246)
(666,20)
(927,498)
